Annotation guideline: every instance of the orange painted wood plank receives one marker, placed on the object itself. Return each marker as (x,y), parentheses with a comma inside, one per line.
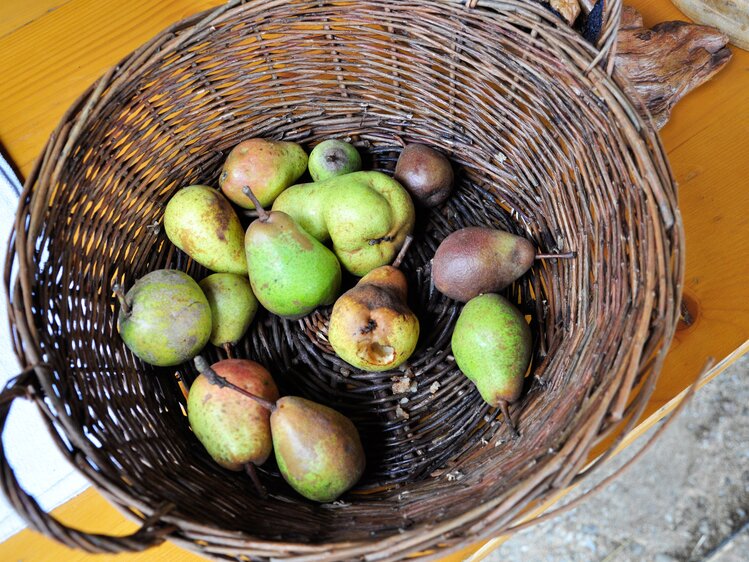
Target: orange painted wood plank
(19,13)
(47,63)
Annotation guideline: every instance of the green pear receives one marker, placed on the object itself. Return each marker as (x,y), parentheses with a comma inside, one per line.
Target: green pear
(202,223)
(492,345)
(371,326)
(290,271)
(333,158)
(267,166)
(233,306)
(367,216)
(164,318)
(234,429)
(318,450)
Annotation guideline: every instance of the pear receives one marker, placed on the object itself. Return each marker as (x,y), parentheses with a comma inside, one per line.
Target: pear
(202,223)
(318,450)
(233,306)
(333,158)
(477,260)
(367,216)
(164,318)
(234,429)
(267,166)
(425,173)
(371,326)
(492,345)
(290,271)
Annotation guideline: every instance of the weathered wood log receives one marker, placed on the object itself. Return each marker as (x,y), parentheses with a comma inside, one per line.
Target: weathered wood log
(662,64)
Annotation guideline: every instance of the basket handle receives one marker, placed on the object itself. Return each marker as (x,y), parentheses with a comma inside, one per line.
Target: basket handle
(606,43)
(149,535)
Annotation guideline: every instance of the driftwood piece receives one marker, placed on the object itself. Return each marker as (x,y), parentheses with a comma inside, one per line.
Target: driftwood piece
(662,64)
(730,16)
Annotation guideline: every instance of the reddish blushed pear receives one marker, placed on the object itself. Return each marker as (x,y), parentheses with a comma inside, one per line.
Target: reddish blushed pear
(425,173)
(203,224)
(266,166)
(234,429)
(318,450)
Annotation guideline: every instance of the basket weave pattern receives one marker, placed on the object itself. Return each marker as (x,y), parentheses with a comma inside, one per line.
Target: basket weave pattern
(545,146)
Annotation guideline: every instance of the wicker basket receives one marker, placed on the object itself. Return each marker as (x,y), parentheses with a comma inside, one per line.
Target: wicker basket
(546,146)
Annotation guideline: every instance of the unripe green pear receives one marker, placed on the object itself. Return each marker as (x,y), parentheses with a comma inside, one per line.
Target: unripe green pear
(290,271)
(267,166)
(367,215)
(492,345)
(164,318)
(233,306)
(202,223)
(333,158)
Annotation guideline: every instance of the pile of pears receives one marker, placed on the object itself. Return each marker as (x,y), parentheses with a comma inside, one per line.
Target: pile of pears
(307,239)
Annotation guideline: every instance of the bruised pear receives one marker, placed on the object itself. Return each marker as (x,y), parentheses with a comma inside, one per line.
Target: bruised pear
(164,318)
(234,429)
(332,158)
(371,326)
(492,345)
(477,260)
(202,223)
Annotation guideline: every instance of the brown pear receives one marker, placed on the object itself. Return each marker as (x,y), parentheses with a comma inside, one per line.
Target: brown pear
(371,326)
(425,173)
(475,260)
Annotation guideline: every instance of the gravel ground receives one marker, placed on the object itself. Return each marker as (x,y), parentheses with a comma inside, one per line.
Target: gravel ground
(687,500)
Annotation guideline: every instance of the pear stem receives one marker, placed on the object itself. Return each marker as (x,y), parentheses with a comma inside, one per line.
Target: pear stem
(262,213)
(403,250)
(221,382)
(252,472)
(565,256)
(120,294)
(227,349)
(504,406)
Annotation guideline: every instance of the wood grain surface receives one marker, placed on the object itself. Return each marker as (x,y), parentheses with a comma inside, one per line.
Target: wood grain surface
(52,50)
